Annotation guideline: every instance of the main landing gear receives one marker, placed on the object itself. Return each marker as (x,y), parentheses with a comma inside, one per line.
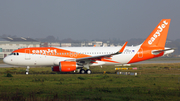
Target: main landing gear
(88,71)
(82,71)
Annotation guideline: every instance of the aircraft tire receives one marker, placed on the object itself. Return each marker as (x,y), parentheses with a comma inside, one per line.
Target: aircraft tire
(88,71)
(82,71)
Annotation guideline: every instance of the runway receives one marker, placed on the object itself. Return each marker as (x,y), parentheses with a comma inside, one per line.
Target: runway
(6,66)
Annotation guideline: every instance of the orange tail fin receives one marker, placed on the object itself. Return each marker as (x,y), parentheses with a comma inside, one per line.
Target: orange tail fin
(158,36)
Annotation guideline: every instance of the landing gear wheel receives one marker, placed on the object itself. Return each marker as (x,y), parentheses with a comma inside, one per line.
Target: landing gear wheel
(88,71)
(27,70)
(82,71)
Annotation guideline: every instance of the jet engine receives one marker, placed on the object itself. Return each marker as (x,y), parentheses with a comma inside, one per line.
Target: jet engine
(65,66)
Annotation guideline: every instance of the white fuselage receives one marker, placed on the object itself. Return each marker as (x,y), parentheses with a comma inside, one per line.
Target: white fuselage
(40,59)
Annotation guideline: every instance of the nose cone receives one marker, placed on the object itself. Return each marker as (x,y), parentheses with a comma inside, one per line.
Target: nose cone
(5,60)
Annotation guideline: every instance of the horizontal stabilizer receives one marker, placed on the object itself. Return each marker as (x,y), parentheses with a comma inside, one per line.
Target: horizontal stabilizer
(155,52)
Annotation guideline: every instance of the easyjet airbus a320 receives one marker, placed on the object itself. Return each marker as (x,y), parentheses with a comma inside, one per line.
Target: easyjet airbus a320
(67,59)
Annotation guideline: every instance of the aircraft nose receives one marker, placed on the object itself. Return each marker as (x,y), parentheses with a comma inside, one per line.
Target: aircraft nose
(6,60)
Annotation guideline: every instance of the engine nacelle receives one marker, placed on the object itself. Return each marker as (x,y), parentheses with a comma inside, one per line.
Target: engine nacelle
(65,66)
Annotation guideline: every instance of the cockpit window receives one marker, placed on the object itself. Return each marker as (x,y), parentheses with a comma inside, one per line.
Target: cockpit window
(11,54)
(14,54)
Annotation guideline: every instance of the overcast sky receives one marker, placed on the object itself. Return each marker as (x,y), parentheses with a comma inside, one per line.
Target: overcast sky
(87,19)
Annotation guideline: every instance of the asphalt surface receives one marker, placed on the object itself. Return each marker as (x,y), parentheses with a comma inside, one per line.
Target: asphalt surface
(6,66)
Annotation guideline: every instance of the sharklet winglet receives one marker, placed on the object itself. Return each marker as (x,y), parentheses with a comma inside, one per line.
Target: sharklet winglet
(122,49)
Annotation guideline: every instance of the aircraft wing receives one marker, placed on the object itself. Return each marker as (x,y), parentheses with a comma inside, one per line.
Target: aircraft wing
(103,56)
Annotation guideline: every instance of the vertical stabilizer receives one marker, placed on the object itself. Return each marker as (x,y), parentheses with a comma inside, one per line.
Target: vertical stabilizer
(158,36)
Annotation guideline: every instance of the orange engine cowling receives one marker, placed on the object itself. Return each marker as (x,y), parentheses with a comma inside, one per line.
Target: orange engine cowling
(65,66)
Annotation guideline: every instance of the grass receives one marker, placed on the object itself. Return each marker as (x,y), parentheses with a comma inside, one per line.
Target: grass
(103,87)
(154,82)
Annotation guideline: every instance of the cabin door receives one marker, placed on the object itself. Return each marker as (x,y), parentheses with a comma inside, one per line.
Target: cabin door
(140,53)
(27,55)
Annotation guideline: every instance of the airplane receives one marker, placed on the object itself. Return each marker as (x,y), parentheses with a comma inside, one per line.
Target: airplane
(67,59)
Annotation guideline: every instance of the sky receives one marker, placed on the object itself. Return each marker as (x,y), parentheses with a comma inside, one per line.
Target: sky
(87,19)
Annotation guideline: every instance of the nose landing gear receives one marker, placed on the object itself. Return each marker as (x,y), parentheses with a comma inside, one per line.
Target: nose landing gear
(27,70)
